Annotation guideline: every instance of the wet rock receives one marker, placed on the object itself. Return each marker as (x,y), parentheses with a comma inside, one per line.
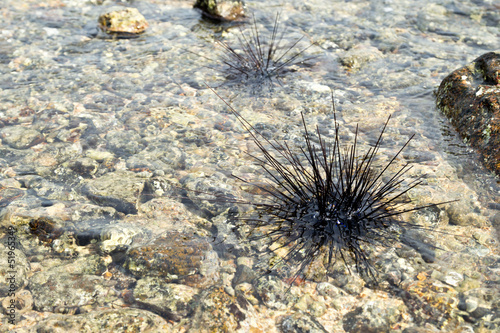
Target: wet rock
(124,143)
(359,56)
(453,278)
(353,284)
(172,300)
(222,9)
(121,190)
(203,191)
(9,194)
(116,320)
(17,304)
(327,289)
(64,292)
(20,137)
(430,301)
(15,267)
(216,311)
(460,214)
(301,323)
(470,97)
(119,237)
(85,166)
(123,22)
(374,316)
(244,274)
(181,257)
(272,292)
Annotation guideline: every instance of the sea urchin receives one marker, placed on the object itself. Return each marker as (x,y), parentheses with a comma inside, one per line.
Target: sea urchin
(257,58)
(328,200)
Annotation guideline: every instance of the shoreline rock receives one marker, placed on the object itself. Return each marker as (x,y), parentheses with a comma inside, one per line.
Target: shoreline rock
(470,98)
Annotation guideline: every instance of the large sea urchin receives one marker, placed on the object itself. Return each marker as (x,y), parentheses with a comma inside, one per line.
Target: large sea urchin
(328,200)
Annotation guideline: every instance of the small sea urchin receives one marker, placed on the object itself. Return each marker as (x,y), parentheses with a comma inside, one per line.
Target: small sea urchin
(260,58)
(327,200)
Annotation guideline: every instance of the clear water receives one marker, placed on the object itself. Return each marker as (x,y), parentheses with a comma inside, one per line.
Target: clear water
(58,73)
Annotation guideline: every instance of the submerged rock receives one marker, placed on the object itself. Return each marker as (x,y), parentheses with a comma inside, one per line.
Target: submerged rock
(121,190)
(123,22)
(430,301)
(181,257)
(20,137)
(359,56)
(15,267)
(470,97)
(175,300)
(64,292)
(222,9)
(217,311)
(374,316)
(116,320)
(298,322)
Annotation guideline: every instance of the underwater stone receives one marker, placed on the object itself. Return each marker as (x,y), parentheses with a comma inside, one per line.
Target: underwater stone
(13,278)
(183,257)
(84,166)
(22,300)
(121,190)
(299,322)
(374,316)
(20,137)
(61,291)
(120,236)
(116,320)
(360,55)
(216,311)
(172,298)
(430,301)
(470,98)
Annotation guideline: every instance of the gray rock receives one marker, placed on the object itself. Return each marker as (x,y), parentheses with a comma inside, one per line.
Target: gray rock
(373,316)
(301,323)
(360,55)
(171,298)
(14,268)
(181,257)
(20,137)
(243,274)
(116,320)
(121,190)
(61,291)
(327,289)
(273,292)
(216,311)
(120,236)
(124,142)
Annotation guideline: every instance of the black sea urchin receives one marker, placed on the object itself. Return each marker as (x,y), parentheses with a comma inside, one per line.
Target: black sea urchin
(258,58)
(329,201)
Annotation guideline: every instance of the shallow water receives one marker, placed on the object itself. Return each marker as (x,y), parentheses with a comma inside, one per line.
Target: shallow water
(99,136)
